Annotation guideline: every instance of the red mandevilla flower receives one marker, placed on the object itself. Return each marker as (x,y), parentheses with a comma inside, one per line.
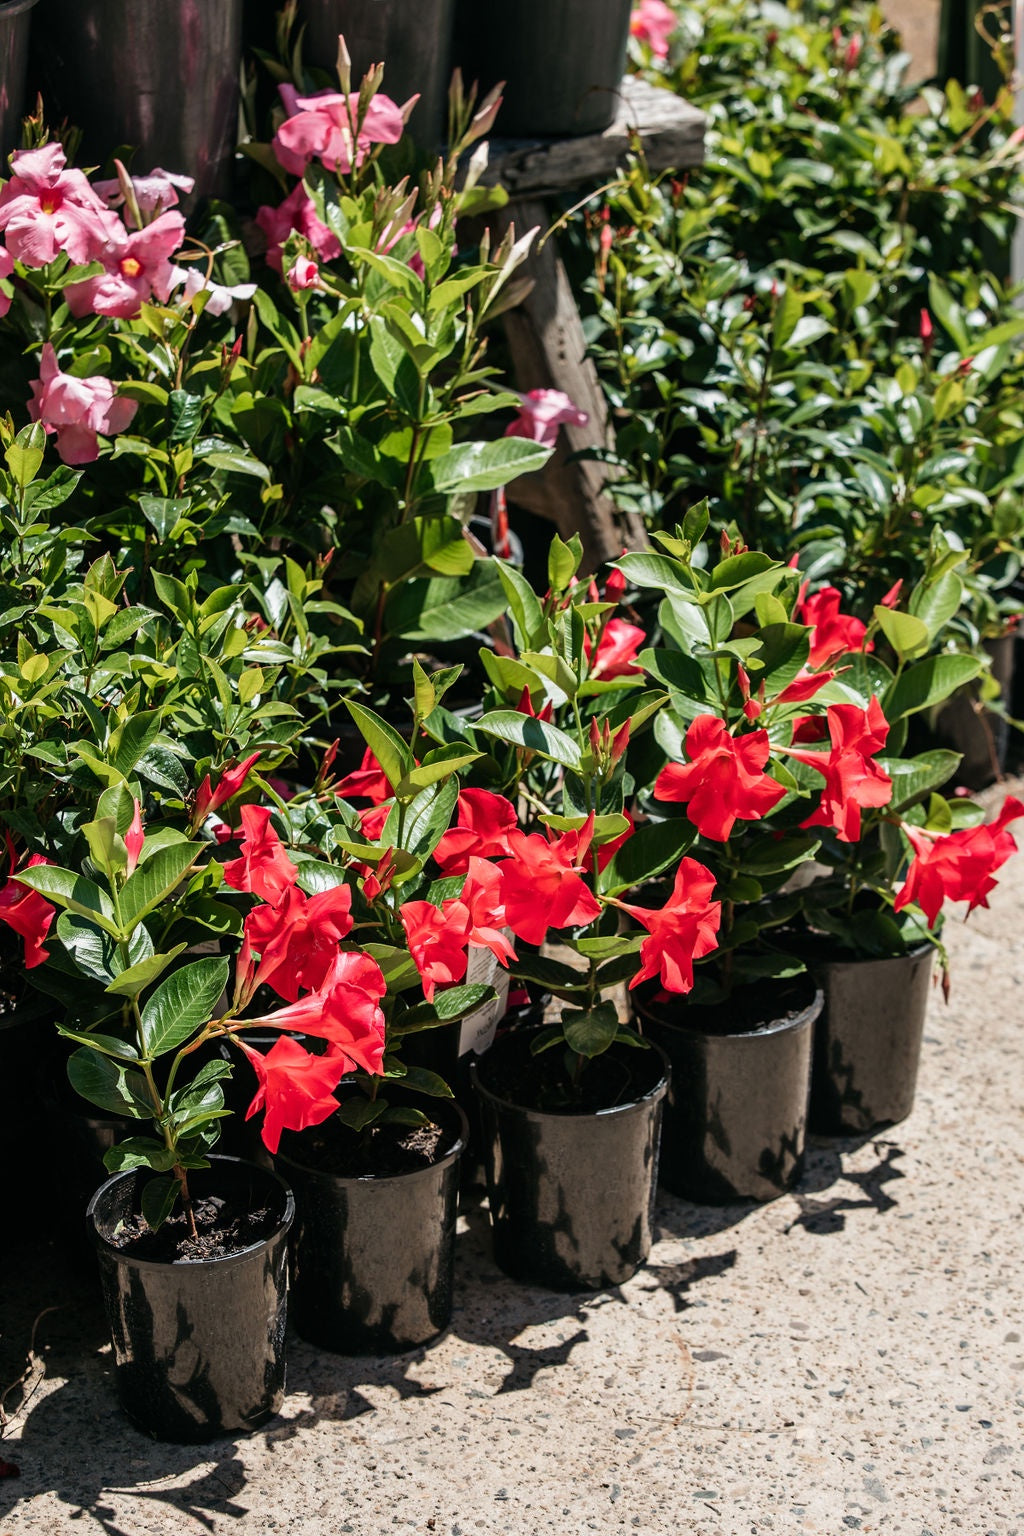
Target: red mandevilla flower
(295,1088)
(541,883)
(683,930)
(724,781)
(484,823)
(298,939)
(264,869)
(959,866)
(229,784)
(437,941)
(483,897)
(134,839)
(852,780)
(616,651)
(345,1010)
(28,913)
(366,782)
(835,633)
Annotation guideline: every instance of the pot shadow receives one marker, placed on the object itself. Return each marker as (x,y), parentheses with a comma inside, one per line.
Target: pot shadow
(825,1168)
(678,1279)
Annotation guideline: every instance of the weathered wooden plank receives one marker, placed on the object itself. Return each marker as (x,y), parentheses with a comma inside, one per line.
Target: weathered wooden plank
(672,133)
(549,351)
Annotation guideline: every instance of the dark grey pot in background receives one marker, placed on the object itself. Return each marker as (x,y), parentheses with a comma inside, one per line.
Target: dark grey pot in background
(372,1259)
(562,61)
(198,1347)
(980,736)
(736,1117)
(158,74)
(572,1195)
(867,1043)
(411,38)
(15,21)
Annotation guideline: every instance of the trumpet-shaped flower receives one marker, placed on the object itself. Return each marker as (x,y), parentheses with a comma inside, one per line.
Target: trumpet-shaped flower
(28,913)
(264,869)
(653,22)
(959,866)
(228,786)
(45,209)
(321,128)
(541,883)
(367,781)
(852,780)
(724,781)
(154,193)
(541,413)
(297,213)
(344,1010)
(835,633)
(297,939)
(295,1088)
(683,930)
(484,823)
(78,410)
(137,266)
(437,940)
(616,651)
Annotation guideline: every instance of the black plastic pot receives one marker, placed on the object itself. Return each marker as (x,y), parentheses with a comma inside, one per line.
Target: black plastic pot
(198,1347)
(571,1195)
(867,1042)
(15,21)
(736,1116)
(27,1055)
(161,75)
(411,38)
(980,736)
(372,1258)
(562,61)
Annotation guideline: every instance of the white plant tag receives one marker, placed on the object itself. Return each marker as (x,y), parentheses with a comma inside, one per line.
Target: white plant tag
(479,1027)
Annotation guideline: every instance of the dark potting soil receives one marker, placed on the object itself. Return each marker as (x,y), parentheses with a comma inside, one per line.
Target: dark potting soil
(223,1229)
(382,1151)
(619,1076)
(747,1011)
(12,974)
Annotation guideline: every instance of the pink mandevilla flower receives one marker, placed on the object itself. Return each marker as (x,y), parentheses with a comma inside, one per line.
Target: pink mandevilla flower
(541,413)
(296,214)
(319,127)
(46,209)
(78,410)
(653,23)
(137,266)
(154,193)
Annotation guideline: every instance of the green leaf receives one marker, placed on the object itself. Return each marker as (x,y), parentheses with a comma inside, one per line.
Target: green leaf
(158,1199)
(928,683)
(448,1005)
(591,1033)
(155,878)
(73,892)
(908,636)
(486,466)
(523,605)
(535,735)
(446,608)
(106,1045)
(164,513)
(651,849)
(182,1004)
(917,776)
(139,1152)
(422,1081)
(384,742)
(136,978)
(109,1084)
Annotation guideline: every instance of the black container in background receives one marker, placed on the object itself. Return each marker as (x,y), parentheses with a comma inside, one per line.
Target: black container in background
(867,1042)
(572,1195)
(15,21)
(161,75)
(980,736)
(411,38)
(736,1116)
(372,1259)
(198,1347)
(562,62)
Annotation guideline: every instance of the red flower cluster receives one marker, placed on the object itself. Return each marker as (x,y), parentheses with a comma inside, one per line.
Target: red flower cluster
(24,910)
(835,633)
(852,780)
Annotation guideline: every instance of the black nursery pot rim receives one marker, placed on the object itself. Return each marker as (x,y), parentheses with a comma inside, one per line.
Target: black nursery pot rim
(631,1106)
(455,1150)
(798,1016)
(222,1261)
